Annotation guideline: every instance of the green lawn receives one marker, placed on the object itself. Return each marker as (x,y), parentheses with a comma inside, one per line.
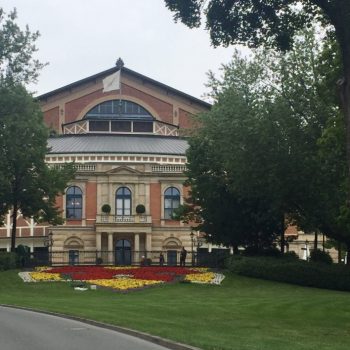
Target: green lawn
(241,314)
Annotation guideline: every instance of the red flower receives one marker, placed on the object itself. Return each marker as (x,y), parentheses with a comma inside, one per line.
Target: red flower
(163,273)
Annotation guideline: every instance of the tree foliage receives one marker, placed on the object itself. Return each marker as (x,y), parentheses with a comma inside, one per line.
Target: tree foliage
(274,23)
(264,154)
(27,184)
(16,51)
(251,22)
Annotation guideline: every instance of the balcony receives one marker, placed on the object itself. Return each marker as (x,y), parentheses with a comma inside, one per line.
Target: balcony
(109,126)
(123,219)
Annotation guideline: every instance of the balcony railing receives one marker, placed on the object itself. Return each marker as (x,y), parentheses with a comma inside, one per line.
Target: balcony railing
(86,126)
(123,219)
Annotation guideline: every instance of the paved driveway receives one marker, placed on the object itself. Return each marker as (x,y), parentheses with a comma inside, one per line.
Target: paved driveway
(27,330)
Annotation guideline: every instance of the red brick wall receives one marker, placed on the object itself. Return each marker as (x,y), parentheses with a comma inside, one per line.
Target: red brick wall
(155,202)
(164,110)
(59,202)
(51,118)
(74,108)
(185,120)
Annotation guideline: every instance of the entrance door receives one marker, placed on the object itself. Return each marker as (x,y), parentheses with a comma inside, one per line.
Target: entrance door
(172,257)
(73,257)
(123,252)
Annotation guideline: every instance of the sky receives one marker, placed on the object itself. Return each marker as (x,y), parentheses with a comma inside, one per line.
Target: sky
(80,38)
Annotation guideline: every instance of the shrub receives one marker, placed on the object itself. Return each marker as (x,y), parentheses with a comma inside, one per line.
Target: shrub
(292,255)
(140,209)
(298,272)
(106,208)
(255,251)
(8,261)
(321,256)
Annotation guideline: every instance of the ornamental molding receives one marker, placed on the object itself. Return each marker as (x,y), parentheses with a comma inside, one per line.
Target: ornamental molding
(123,170)
(82,159)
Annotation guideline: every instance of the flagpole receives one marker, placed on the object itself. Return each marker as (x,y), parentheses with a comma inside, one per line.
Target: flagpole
(120,65)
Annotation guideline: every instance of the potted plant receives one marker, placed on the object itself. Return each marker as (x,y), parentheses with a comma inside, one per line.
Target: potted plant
(140,209)
(106,208)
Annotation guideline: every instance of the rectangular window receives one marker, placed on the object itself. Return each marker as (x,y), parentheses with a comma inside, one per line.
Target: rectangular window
(168,212)
(143,127)
(98,125)
(122,126)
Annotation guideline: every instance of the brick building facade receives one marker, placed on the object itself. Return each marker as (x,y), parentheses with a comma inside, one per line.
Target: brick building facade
(129,153)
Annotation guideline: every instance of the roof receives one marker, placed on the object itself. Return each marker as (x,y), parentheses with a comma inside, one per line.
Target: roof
(128,71)
(121,144)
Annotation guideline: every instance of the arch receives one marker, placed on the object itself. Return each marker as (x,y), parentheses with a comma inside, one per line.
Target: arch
(123,243)
(172,243)
(171,201)
(74,203)
(119,109)
(138,101)
(73,242)
(123,201)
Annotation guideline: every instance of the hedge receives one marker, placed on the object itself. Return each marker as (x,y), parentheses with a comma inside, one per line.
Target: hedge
(8,261)
(293,271)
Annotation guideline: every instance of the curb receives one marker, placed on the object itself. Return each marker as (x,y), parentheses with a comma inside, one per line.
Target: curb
(145,336)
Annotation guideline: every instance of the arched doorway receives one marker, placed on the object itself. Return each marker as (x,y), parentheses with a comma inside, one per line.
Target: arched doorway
(172,246)
(123,252)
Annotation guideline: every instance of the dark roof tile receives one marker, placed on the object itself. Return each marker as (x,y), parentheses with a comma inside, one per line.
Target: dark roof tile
(117,144)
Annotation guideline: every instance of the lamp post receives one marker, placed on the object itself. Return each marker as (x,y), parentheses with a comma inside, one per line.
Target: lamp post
(48,242)
(192,247)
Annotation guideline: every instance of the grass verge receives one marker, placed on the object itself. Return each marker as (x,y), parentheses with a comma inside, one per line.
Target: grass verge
(242,313)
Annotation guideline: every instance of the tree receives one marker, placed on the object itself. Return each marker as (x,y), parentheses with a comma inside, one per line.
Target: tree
(16,51)
(27,184)
(257,143)
(272,23)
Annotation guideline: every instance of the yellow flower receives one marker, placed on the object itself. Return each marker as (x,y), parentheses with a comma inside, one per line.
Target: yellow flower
(123,284)
(200,269)
(200,277)
(45,276)
(42,268)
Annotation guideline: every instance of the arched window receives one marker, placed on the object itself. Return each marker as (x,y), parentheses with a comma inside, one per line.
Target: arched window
(118,109)
(123,201)
(74,203)
(171,201)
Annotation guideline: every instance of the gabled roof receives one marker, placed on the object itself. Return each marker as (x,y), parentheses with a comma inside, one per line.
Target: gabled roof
(118,144)
(128,71)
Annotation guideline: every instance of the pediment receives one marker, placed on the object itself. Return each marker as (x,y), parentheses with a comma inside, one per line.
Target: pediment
(123,170)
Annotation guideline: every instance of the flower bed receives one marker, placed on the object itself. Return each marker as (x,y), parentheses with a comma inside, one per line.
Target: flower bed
(122,278)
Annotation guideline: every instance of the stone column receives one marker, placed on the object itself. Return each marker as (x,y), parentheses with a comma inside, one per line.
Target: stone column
(98,245)
(148,243)
(98,241)
(110,248)
(136,248)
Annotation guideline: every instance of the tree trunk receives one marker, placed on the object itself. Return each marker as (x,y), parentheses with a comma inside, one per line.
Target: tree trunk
(282,235)
(339,252)
(14,227)
(316,240)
